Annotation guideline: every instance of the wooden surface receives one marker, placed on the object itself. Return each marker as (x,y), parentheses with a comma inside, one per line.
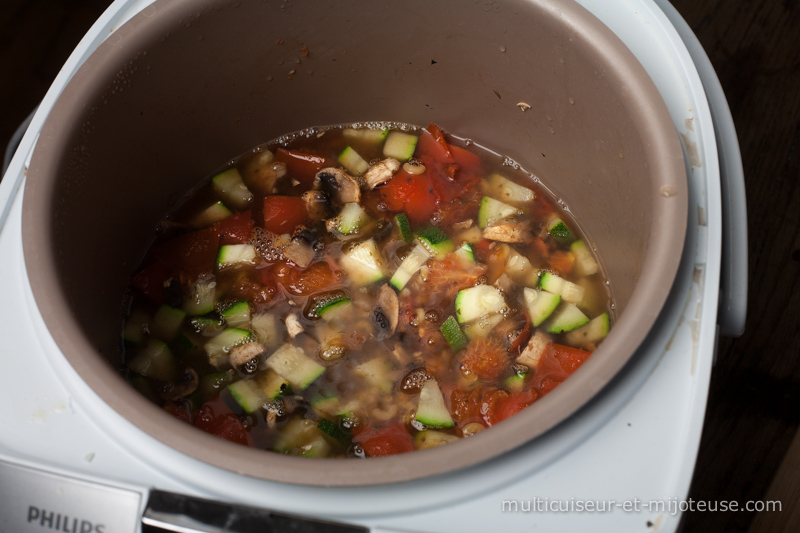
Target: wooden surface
(754,404)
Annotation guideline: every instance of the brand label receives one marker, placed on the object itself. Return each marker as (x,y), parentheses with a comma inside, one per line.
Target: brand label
(58,522)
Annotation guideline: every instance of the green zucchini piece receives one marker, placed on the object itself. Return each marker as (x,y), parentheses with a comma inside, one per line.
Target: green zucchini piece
(377,372)
(136,326)
(566,318)
(218,347)
(333,430)
(350,219)
(559,231)
(492,210)
(430,438)
(271,384)
(585,263)
(154,360)
(352,161)
(237,315)
(466,253)
(236,254)
(453,335)
(212,384)
(212,214)
(410,265)
(166,322)
(431,409)
(400,145)
(266,329)
(480,328)
(291,363)
(592,332)
(207,327)
(479,301)
(364,263)
(404,227)
(247,394)
(365,135)
(301,436)
(435,241)
(228,185)
(570,292)
(541,304)
(201,297)
(502,188)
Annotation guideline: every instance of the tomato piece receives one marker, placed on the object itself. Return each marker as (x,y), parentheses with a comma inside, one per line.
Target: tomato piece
(562,262)
(150,281)
(512,404)
(236,229)
(431,143)
(476,405)
(469,163)
(300,165)
(178,410)
(487,358)
(570,358)
(189,255)
(388,440)
(421,200)
(555,365)
(217,418)
(282,214)
(314,278)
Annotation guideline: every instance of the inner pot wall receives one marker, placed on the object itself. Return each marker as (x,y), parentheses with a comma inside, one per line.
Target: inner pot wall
(188,84)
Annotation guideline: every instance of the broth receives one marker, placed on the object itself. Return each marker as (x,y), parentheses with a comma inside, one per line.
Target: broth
(362,291)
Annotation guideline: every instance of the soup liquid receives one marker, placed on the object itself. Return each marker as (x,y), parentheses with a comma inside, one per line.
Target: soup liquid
(311,302)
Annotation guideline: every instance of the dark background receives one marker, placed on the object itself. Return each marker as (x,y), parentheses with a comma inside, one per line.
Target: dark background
(754,45)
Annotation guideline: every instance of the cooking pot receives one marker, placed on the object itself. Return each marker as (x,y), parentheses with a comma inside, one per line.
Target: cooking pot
(186,85)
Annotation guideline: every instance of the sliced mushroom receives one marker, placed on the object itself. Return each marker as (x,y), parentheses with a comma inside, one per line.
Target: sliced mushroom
(318,204)
(293,325)
(339,185)
(181,387)
(381,172)
(245,358)
(387,312)
(302,249)
(508,230)
(262,173)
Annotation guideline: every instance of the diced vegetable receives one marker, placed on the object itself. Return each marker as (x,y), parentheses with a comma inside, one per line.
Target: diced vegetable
(592,332)
(533,351)
(136,326)
(236,254)
(247,394)
(540,304)
(435,241)
(350,219)
(492,210)
(212,214)
(505,190)
(378,373)
(291,362)
(237,315)
(559,231)
(431,409)
(566,318)
(453,335)
(570,292)
(218,347)
(201,297)
(271,384)
(431,438)
(352,161)
(265,327)
(403,227)
(410,266)
(231,189)
(400,145)
(154,361)
(364,263)
(466,253)
(479,301)
(585,264)
(367,135)
(302,437)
